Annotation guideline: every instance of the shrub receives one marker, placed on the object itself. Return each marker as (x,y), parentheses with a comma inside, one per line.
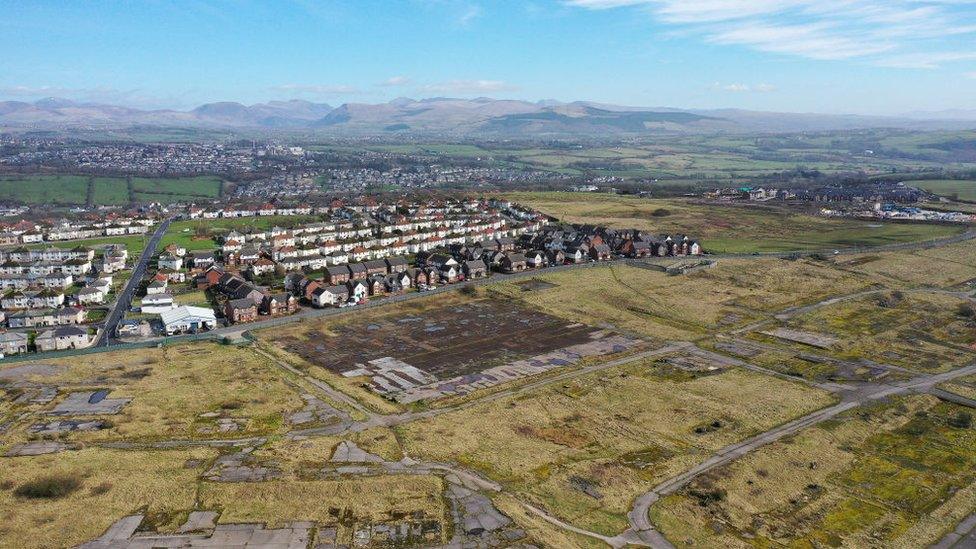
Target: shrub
(661,212)
(962,420)
(966,310)
(469,291)
(50,487)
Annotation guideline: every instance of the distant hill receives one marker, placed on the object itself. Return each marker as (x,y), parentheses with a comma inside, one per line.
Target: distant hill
(462,117)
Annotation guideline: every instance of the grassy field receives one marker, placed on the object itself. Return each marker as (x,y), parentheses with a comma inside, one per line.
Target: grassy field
(198,234)
(112,484)
(953,188)
(106,191)
(185,189)
(616,432)
(110,191)
(921,332)
(181,391)
(662,307)
(895,475)
(726,228)
(346,503)
(44,189)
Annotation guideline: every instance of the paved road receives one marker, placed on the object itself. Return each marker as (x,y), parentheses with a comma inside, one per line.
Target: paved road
(124,300)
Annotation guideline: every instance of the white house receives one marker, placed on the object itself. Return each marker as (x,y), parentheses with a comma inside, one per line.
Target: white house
(63,337)
(172,262)
(156,303)
(91,294)
(13,343)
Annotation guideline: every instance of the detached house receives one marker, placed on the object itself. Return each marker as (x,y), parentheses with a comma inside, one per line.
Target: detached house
(514,263)
(600,252)
(240,310)
(475,269)
(279,304)
(331,296)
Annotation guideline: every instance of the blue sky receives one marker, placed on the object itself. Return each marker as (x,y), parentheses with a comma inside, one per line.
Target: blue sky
(864,56)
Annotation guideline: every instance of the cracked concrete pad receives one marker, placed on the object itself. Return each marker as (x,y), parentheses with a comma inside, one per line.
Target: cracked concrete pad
(89,403)
(348,452)
(36,448)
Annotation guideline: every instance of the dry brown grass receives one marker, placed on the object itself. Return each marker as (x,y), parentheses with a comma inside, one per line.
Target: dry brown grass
(859,481)
(114,484)
(346,502)
(650,303)
(171,387)
(587,427)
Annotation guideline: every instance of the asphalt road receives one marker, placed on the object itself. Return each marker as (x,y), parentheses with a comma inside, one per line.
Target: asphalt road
(124,301)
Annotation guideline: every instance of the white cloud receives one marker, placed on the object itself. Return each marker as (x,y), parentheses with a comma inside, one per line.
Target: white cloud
(469,86)
(396,81)
(925,60)
(970,75)
(877,31)
(315,89)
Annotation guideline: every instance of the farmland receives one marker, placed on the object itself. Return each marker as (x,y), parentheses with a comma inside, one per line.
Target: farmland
(176,189)
(726,228)
(952,188)
(106,191)
(44,189)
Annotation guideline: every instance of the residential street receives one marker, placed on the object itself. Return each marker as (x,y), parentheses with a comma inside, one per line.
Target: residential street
(124,300)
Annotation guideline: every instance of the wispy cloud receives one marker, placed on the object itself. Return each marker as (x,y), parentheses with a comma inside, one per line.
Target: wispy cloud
(469,14)
(744,88)
(467,87)
(316,89)
(970,75)
(893,33)
(394,81)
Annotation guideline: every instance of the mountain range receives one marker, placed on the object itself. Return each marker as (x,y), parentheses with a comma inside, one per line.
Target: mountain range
(464,117)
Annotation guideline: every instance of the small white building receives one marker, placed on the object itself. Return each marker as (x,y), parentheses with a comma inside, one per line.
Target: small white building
(188,319)
(156,303)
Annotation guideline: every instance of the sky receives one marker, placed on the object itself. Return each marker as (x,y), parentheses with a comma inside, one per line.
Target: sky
(829,56)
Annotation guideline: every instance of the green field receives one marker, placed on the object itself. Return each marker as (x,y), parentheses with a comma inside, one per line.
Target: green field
(952,188)
(722,228)
(198,234)
(110,191)
(184,189)
(44,189)
(106,191)
(134,243)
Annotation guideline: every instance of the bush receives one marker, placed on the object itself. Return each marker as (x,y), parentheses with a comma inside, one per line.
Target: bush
(891,300)
(661,212)
(469,290)
(50,487)
(966,310)
(962,420)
